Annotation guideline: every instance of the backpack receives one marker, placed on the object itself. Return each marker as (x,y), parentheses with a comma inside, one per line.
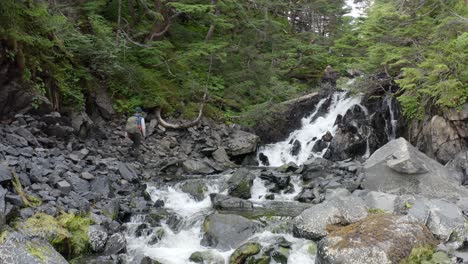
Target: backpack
(133,125)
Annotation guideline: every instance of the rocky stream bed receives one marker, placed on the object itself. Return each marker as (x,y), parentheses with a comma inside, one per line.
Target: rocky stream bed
(343,190)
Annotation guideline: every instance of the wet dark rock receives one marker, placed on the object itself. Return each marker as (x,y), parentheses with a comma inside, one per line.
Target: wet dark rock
(306,196)
(196,188)
(280,180)
(240,183)
(327,137)
(244,251)
(296,148)
(319,146)
(207,256)
(264,159)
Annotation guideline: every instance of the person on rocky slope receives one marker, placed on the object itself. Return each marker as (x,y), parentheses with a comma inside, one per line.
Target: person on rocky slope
(136,131)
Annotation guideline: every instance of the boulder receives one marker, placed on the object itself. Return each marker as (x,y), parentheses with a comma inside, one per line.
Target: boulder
(244,251)
(197,167)
(241,142)
(81,123)
(127,172)
(97,238)
(221,156)
(459,165)
(240,183)
(103,102)
(247,208)
(412,172)
(312,223)
(296,148)
(115,244)
(377,239)
(382,201)
(195,187)
(224,231)
(206,257)
(5,174)
(441,217)
(17,248)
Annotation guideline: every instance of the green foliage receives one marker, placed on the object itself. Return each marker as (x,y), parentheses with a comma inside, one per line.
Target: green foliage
(376,211)
(68,233)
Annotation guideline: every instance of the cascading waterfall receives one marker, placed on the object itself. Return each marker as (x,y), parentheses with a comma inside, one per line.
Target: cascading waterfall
(390,127)
(177,244)
(313,128)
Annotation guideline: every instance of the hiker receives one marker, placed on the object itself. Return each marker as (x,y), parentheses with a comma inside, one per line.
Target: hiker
(136,130)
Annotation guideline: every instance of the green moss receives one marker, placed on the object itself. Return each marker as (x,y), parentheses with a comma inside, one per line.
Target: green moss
(312,249)
(408,205)
(376,211)
(28,200)
(37,251)
(68,233)
(3,236)
(426,255)
(244,251)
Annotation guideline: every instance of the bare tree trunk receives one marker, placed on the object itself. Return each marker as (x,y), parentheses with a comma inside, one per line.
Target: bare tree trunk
(212,26)
(119,18)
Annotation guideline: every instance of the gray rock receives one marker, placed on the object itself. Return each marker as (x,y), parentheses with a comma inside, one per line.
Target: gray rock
(221,156)
(16,140)
(5,174)
(197,167)
(247,208)
(26,134)
(127,172)
(241,142)
(81,123)
(379,200)
(87,176)
(195,187)
(17,248)
(207,257)
(64,187)
(3,192)
(312,222)
(227,231)
(97,238)
(115,244)
(78,185)
(387,239)
(240,183)
(441,217)
(438,182)
(101,186)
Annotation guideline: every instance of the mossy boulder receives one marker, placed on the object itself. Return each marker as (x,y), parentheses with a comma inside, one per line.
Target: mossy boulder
(206,257)
(18,248)
(240,183)
(68,233)
(196,188)
(244,251)
(379,238)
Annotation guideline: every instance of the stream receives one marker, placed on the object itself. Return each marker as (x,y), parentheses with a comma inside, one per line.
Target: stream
(177,242)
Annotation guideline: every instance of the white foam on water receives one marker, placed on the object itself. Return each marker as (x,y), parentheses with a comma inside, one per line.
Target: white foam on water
(313,128)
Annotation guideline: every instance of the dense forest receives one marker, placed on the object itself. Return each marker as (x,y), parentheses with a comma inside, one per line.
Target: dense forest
(165,53)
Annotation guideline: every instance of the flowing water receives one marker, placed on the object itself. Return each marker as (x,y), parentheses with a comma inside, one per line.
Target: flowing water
(177,244)
(391,125)
(313,128)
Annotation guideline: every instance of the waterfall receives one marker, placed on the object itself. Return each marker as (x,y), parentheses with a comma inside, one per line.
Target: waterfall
(313,128)
(390,126)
